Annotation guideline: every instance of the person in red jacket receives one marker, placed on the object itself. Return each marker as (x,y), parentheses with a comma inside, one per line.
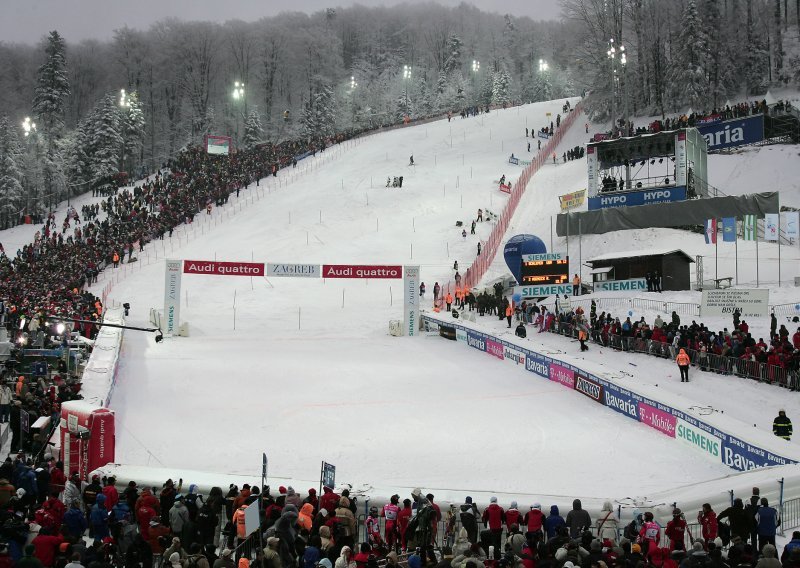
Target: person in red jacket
(676,531)
(403,517)
(147,499)
(110,491)
(534,520)
(144,514)
(493,517)
(45,546)
(650,535)
(329,500)
(708,521)
(57,477)
(55,508)
(513,516)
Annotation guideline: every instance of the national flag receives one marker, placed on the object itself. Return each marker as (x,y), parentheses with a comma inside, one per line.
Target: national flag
(711,231)
(749,228)
(729,229)
(771,227)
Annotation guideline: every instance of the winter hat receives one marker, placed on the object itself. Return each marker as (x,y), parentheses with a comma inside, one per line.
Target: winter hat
(290,490)
(323,512)
(468,500)
(414,561)
(718,542)
(537,506)
(513,504)
(417,492)
(282,490)
(636,548)
(312,491)
(175,559)
(227,552)
(568,564)
(493,500)
(20,493)
(697,547)
(272,541)
(325,563)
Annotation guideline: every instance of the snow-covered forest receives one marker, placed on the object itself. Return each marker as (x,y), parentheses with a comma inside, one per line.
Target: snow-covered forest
(130,103)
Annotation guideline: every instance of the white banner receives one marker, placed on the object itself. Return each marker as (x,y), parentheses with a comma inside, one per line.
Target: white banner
(275,269)
(172,295)
(750,302)
(697,438)
(411,300)
(680,158)
(792,225)
(771,223)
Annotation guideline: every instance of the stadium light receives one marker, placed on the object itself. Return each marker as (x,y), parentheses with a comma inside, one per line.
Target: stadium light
(406,72)
(124,99)
(60,327)
(353,83)
(476,65)
(543,66)
(238,90)
(28,126)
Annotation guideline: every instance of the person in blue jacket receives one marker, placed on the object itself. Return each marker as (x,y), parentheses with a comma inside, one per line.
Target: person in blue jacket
(553,522)
(767,523)
(99,519)
(75,520)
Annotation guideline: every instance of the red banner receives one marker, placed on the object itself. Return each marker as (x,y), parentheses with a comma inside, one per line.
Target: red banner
(223,268)
(361,271)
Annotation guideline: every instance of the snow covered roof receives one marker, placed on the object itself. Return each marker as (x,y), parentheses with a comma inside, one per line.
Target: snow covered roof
(638,253)
(601,270)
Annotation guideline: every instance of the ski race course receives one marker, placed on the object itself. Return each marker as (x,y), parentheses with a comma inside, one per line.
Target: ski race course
(305,370)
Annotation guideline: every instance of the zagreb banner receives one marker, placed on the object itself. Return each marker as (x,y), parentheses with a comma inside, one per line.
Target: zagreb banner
(732,133)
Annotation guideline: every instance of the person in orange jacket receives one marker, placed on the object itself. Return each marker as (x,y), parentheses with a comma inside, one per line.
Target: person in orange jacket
(238,522)
(509,313)
(448,300)
(683,364)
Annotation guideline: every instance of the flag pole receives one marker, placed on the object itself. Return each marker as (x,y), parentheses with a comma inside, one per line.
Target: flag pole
(756,230)
(736,247)
(716,256)
(779,241)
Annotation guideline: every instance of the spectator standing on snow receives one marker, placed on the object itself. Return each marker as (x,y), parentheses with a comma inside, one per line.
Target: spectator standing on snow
(782,426)
(578,519)
(683,361)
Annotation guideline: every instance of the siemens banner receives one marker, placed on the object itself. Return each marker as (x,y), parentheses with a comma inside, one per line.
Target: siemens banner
(633,198)
(732,133)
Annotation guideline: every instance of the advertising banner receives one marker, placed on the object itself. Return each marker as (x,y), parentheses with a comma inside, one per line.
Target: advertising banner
(172,296)
(361,271)
(223,268)
(411,300)
(792,225)
(630,285)
(634,198)
(591,165)
(218,145)
(561,374)
(750,302)
(461,335)
(547,290)
(699,439)
(538,364)
(732,133)
(620,400)
(494,349)
(87,436)
(476,341)
(570,200)
(513,355)
(662,421)
(680,158)
(589,388)
(278,270)
(771,222)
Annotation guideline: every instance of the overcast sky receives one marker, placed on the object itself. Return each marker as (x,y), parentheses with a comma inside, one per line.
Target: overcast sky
(28,20)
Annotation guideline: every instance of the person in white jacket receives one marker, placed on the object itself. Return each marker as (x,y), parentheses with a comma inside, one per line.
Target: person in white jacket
(5,402)
(607,524)
(72,491)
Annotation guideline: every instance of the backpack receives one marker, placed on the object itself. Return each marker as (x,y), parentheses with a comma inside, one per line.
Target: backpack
(193,561)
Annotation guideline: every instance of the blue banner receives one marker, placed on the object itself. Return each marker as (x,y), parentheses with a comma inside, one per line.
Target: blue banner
(729,229)
(732,133)
(476,340)
(633,198)
(538,364)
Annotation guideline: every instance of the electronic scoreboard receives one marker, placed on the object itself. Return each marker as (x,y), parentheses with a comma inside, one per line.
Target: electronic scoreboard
(544,269)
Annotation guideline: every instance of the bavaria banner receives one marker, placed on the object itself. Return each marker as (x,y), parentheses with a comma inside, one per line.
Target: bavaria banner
(172,295)
(732,133)
(411,300)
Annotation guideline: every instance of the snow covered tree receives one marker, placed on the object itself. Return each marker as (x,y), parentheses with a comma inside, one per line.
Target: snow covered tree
(719,63)
(325,106)
(453,61)
(486,90)
(252,129)
(11,189)
(104,129)
(754,59)
(501,88)
(688,79)
(52,88)
(132,129)
(403,106)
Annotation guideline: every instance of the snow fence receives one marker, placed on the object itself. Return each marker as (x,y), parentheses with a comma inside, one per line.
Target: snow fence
(710,436)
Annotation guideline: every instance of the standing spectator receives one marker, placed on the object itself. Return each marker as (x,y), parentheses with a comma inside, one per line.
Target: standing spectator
(493,517)
(5,401)
(708,521)
(99,519)
(607,523)
(767,521)
(782,426)
(553,522)
(650,534)
(578,520)
(683,365)
(676,531)
(469,519)
(740,521)
(576,285)
(403,518)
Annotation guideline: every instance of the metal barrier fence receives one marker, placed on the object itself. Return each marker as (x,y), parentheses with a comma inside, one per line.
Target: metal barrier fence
(790,514)
(762,372)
